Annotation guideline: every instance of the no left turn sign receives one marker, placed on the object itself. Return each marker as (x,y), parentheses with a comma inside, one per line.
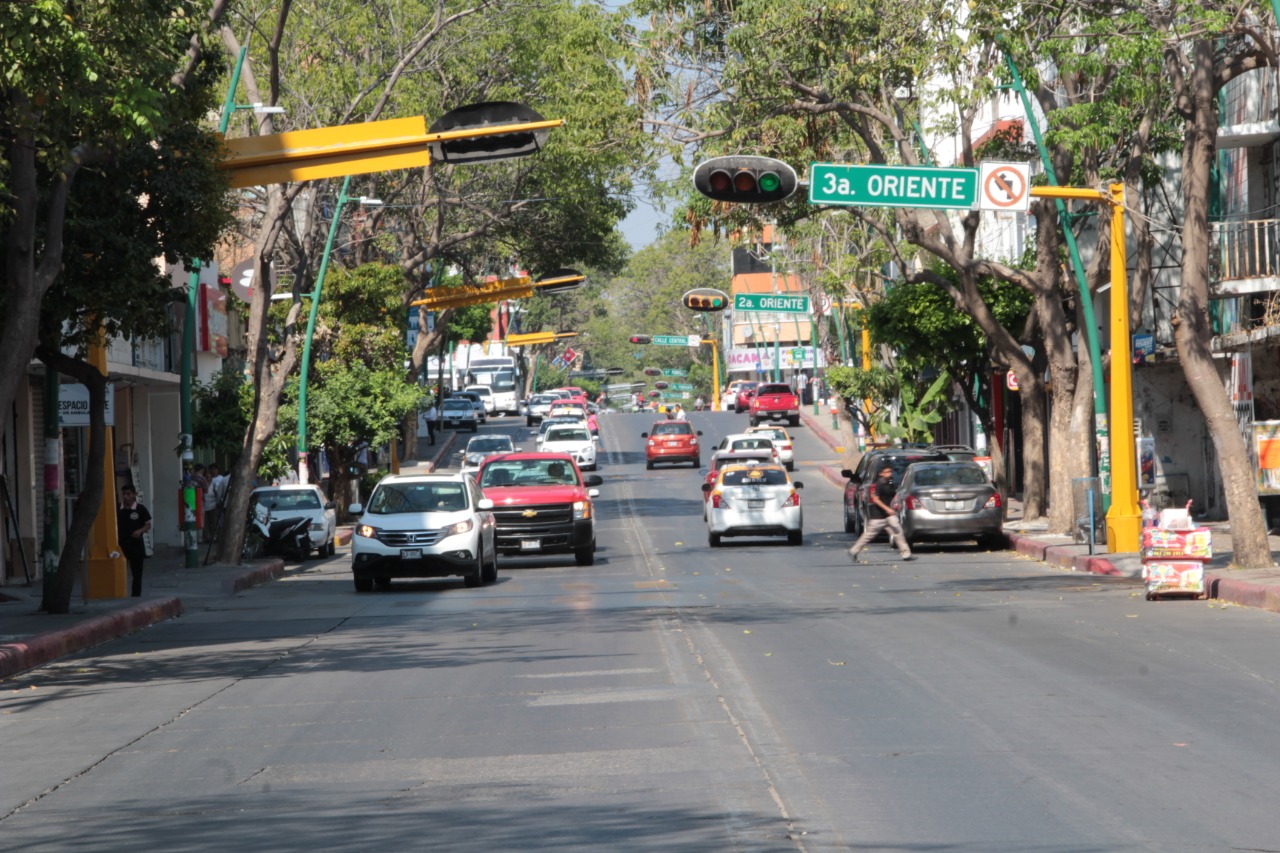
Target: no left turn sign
(1005,186)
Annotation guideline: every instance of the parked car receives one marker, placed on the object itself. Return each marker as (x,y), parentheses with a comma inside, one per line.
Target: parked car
(742,396)
(302,501)
(573,439)
(424,526)
(774,401)
(538,407)
(672,441)
(458,412)
(857,489)
(781,442)
(476,401)
(750,441)
(482,447)
(754,500)
(949,500)
(543,505)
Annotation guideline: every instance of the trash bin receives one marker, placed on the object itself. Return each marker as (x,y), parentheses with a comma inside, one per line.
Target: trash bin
(1086,508)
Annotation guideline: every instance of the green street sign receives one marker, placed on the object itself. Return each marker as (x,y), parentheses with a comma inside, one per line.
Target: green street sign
(674,371)
(893,186)
(674,395)
(681,386)
(676,340)
(777,303)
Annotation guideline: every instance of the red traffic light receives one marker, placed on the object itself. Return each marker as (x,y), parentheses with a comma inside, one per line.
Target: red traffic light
(653,371)
(745,179)
(661,386)
(641,339)
(655,394)
(705,299)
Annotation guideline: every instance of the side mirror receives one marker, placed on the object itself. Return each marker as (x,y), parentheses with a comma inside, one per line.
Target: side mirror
(644,435)
(706,487)
(846,473)
(593,480)
(356,509)
(484,504)
(593,493)
(699,432)
(797,484)
(328,504)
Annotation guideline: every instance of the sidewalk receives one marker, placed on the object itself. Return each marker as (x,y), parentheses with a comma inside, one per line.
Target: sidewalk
(29,639)
(1247,587)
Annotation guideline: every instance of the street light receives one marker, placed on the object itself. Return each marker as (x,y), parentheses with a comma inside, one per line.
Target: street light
(304,472)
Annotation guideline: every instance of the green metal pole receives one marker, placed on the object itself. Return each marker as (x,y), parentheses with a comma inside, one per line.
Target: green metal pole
(190,544)
(1102,442)
(304,472)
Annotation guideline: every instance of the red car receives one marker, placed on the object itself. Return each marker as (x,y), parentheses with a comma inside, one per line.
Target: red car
(742,402)
(672,441)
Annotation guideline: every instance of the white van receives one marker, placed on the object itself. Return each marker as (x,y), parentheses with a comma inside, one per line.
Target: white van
(486,394)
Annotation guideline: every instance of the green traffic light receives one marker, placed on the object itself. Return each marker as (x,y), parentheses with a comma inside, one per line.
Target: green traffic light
(769,182)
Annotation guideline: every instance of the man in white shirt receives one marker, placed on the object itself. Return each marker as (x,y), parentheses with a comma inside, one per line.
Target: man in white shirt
(678,414)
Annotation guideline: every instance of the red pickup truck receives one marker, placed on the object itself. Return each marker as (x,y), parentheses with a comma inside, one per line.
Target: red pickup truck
(774,401)
(541,505)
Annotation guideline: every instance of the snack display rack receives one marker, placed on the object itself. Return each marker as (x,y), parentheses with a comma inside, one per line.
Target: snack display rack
(1174,551)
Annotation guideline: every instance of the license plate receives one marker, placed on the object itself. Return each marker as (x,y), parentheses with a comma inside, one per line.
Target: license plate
(777,416)
(530,544)
(755,504)
(411,553)
(673,444)
(955,505)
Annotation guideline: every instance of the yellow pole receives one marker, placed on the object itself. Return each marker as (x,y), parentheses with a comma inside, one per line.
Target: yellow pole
(105,573)
(866,365)
(1124,520)
(715,375)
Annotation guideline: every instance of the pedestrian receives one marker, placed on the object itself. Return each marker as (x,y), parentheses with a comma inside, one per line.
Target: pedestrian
(132,523)
(679,414)
(215,498)
(881,515)
(432,415)
(699,404)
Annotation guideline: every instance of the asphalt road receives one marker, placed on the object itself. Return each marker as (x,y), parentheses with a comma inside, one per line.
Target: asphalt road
(671,697)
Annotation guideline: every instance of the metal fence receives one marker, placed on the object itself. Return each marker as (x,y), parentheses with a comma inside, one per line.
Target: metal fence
(1245,249)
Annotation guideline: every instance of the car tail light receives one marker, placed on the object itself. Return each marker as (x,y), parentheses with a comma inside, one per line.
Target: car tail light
(718,501)
(792,500)
(653,443)
(693,441)
(913,502)
(993,502)
(786,447)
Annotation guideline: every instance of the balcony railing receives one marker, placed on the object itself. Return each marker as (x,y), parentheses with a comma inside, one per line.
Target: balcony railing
(1245,251)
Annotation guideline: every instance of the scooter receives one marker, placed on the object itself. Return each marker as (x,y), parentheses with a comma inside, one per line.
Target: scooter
(288,537)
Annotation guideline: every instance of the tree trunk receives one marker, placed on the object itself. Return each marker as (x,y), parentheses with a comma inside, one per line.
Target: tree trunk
(340,472)
(57,594)
(1250,548)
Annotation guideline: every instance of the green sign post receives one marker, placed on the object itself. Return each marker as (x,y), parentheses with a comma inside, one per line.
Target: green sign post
(893,186)
(676,341)
(778,303)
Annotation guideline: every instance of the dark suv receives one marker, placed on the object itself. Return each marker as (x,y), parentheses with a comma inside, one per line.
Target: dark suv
(858,487)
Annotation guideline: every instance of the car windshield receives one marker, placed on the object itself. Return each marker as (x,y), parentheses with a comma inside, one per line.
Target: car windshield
(773,434)
(773,389)
(457,405)
(673,429)
(754,477)
(488,445)
(544,400)
(278,501)
(752,444)
(957,475)
(528,472)
(394,498)
(568,435)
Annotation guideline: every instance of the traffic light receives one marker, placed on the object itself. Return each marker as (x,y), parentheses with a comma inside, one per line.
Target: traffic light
(653,371)
(745,179)
(705,299)
(642,339)
(662,386)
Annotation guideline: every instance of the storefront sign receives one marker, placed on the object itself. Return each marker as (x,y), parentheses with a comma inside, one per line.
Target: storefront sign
(73,405)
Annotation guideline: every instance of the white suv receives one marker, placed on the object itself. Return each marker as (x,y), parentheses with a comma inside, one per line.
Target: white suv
(424,526)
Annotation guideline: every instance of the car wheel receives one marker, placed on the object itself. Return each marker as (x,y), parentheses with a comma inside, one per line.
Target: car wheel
(363,584)
(791,466)
(713,539)
(585,556)
(382,583)
(697,463)
(849,526)
(491,573)
(648,466)
(992,542)
(475,577)
(795,422)
(795,537)
(528,422)
(474,427)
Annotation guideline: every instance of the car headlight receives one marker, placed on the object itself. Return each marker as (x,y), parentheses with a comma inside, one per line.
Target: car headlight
(581,510)
(317,525)
(368,531)
(460,527)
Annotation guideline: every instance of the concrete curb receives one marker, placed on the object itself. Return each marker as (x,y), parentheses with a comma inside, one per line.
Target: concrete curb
(1062,555)
(264,572)
(1242,592)
(43,648)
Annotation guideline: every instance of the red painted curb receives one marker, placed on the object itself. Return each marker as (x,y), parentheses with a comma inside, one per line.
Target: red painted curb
(1244,593)
(261,574)
(1027,546)
(820,431)
(43,648)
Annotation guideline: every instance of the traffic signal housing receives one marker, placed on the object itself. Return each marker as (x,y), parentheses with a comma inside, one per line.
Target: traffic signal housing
(642,339)
(745,179)
(653,371)
(705,299)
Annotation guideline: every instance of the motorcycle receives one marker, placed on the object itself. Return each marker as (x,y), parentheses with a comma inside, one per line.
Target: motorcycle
(286,537)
